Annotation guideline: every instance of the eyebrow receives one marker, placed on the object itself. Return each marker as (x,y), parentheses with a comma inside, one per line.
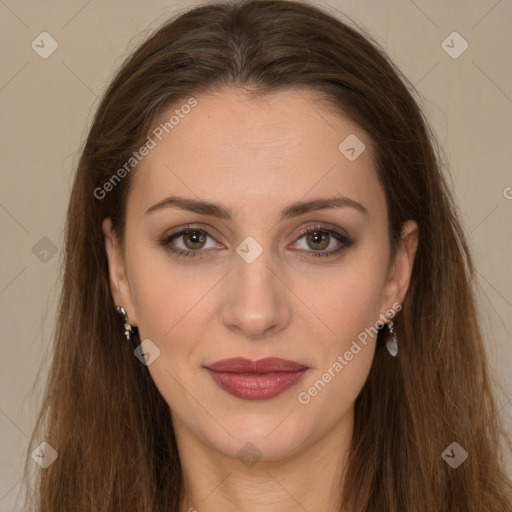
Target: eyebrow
(293,210)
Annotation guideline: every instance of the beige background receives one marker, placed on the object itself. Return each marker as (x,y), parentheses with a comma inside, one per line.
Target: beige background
(47,105)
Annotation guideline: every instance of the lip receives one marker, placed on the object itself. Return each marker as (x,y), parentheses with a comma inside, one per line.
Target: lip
(256,380)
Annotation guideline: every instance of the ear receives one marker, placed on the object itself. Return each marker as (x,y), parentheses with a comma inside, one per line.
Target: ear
(119,285)
(400,270)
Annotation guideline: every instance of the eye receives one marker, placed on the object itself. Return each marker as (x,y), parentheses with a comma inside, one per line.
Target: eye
(189,242)
(190,239)
(319,238)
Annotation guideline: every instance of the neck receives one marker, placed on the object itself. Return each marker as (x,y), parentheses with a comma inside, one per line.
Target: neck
(309,479)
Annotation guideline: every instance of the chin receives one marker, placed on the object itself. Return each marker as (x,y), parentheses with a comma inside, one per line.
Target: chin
(265,436)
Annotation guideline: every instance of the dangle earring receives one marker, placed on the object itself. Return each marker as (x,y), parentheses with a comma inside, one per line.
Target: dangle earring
(392,344)
(127,327)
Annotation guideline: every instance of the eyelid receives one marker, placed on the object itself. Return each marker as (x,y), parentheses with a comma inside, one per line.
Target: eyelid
(208,230)
(336,232)
(339,234)
(324,227)
(302,231)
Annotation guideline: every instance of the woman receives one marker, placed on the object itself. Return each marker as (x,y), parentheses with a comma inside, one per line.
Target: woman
(267,301)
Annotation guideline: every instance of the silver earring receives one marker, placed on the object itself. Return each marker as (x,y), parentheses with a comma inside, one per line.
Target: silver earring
(127,327)
(392,344)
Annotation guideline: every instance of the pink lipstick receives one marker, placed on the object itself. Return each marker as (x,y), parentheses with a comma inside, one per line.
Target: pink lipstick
(256,380)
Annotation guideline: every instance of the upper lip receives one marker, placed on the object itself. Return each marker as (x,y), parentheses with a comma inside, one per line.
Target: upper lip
(265,365)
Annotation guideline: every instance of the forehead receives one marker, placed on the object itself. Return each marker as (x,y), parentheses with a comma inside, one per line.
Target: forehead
(247,152)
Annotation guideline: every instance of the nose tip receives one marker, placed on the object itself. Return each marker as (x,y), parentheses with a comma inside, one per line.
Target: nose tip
(255,302)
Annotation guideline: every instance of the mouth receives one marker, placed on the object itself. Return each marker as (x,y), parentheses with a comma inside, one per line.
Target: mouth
(256,380)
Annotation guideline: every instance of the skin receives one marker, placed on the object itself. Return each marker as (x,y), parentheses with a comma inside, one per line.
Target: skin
(256,157)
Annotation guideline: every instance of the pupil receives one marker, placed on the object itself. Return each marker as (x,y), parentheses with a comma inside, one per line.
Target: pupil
(195,237)
(318,238)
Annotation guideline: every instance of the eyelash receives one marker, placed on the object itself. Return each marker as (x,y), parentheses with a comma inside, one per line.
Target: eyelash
(340,237)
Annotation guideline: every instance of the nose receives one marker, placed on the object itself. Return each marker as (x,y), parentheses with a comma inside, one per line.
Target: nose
(256,300)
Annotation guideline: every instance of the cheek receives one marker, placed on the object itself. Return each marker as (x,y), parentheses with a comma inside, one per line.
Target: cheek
(173,311)
(171,315)
(176,305)
(349,299)
(164,291)
(349,304)
(343,357)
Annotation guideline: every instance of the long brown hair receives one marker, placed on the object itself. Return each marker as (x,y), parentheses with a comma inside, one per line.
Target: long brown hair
(102,412)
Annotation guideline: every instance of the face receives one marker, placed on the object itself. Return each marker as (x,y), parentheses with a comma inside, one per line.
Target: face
(254,275)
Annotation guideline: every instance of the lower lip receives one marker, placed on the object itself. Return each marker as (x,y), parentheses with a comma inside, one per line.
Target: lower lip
(256,386)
